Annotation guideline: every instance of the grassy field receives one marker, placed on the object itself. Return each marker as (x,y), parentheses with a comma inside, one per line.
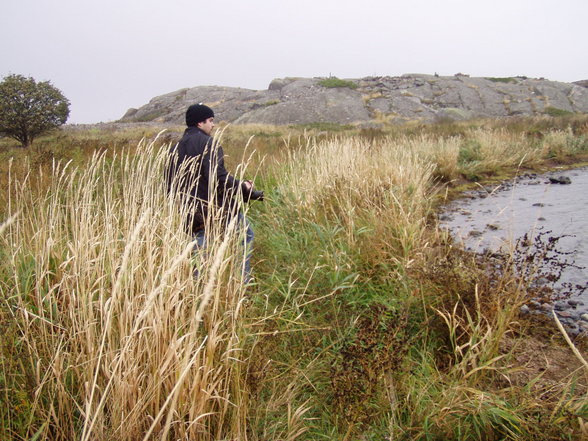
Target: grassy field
(364,321)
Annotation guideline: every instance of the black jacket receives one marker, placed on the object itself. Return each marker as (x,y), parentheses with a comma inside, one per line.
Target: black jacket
(196,164)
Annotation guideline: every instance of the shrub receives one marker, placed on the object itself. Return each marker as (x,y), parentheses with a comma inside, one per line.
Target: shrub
(377,345)
(469,152)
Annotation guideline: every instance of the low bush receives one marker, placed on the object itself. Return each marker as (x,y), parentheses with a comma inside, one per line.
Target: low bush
(332,82)
(502,79)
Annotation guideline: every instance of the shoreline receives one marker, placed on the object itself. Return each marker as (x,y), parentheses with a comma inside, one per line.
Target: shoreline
(478,219)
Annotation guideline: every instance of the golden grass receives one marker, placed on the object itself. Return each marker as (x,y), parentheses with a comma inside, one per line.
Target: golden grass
(122,342)
(380,186)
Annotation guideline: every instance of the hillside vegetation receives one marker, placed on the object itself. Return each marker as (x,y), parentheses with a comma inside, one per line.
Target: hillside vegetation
(365,321)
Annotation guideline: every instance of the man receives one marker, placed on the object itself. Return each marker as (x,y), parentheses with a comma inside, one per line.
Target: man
(197,173)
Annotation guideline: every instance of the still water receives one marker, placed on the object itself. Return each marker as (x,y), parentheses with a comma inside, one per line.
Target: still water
(495,218)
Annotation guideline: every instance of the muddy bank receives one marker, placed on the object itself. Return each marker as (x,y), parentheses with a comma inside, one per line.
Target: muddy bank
(552,205)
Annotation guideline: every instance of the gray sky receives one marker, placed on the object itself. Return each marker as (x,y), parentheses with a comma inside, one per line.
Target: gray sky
(109,55)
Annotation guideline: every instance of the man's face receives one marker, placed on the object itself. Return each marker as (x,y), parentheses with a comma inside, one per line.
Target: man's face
(207,125)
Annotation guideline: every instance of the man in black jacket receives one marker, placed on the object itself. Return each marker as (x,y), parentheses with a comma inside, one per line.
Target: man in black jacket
(197,173)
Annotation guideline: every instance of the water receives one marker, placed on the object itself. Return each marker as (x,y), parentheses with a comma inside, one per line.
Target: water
(494,219)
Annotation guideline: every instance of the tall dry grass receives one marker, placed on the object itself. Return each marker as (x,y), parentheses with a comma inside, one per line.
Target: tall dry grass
(122,341)
(381,188)
(118,339)
(379,193)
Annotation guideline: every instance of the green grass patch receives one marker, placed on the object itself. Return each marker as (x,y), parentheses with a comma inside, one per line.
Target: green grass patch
(469,152)
(502,79)
(364,321)
(554,111)
(324,126)
(333,82)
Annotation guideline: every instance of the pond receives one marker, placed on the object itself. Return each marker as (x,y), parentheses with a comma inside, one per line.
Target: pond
(553,204)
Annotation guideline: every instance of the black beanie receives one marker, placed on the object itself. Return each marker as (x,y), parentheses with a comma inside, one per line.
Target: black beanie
(197,113)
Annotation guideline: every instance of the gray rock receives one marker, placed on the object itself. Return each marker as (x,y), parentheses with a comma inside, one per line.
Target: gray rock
(535,304)
(340,105)
(279,83)
(560,180)
(584,317)
(573,330)
(566,314)
(371,100)
(454,113)
(560,306)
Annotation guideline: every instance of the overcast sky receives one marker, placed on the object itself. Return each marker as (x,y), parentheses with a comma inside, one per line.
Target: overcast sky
(109,55)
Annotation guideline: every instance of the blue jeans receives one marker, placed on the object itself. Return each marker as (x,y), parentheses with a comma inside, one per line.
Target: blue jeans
(247,243)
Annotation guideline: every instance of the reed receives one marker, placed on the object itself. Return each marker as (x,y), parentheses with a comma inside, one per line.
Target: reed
(122,341)
(364,319)
(376,192)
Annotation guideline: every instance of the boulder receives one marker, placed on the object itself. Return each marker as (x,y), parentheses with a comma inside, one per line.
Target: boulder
(564,180)
(371,101)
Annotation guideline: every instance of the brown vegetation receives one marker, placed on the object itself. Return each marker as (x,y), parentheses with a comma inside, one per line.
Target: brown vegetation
(366,322)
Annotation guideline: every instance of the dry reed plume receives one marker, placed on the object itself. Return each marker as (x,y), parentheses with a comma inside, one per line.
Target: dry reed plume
(122,341)
(384,188)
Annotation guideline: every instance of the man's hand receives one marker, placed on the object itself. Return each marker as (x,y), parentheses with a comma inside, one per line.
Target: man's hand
(256,195)
(250,193)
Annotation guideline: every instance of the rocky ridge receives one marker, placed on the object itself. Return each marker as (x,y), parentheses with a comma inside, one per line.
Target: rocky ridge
(372,100)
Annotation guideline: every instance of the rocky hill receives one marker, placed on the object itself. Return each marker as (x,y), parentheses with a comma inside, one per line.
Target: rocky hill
(372,100)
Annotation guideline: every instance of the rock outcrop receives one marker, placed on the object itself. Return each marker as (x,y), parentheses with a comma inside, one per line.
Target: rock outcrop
(372,100)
